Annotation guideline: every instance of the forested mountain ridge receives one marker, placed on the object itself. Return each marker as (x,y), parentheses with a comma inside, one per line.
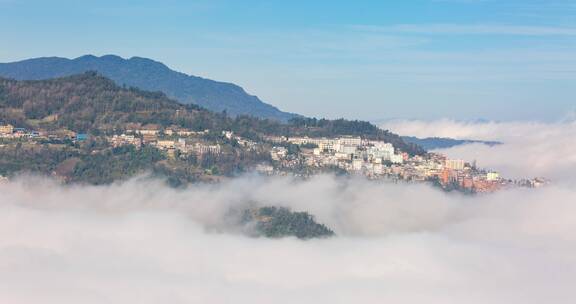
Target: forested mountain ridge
(150,75)
(90,103)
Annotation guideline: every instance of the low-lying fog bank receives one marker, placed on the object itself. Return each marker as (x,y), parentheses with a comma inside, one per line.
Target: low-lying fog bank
(143,242)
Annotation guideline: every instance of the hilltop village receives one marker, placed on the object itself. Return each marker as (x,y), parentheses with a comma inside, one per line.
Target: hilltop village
(280,155)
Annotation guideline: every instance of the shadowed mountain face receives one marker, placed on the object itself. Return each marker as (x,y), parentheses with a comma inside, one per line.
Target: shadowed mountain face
(149,75)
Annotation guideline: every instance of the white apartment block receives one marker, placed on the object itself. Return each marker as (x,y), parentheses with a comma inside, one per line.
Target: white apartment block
(165,144)
(204,149)
(350,141)
(348,149)
(454,164)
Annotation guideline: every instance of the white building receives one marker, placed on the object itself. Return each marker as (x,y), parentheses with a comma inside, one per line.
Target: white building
(378,169)
(298,140)
(148,132)
(264,169)
(342,156)
(165,144)
(119,140)
(348,149)
(6,129)
(278,153)
(204,149)
(326,145)
(350,141)
(396,158)
(228,134)
(357,164)
(381,151)
(454,164)
(492,176)
(181,145)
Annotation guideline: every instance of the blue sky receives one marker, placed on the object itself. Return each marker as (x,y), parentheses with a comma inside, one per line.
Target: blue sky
(426,59)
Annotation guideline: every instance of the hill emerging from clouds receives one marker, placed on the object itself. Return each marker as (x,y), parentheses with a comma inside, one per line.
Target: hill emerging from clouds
(150,75)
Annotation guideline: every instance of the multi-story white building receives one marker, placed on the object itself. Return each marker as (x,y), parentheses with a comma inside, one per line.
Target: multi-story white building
(204,149)
(343,156)
(165,144)
(148,132)
(181,145)
(454,164)
(381,151)
(298,140)
(348,149)
(350,141)
(327,143)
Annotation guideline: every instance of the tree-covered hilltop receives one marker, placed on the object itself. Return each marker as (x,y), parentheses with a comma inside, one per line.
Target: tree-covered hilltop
(277,222)
(89,103)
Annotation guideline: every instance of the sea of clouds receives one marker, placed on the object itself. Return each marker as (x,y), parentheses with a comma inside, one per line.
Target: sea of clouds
(143,242)
(529,149)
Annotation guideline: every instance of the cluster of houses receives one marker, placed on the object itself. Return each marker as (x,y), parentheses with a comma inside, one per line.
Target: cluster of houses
(10,132)
(170,140)
(376,159)
(349,153)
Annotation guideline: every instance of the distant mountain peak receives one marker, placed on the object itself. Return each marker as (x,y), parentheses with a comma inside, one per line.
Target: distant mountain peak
(85,57)
(112,57)
(150,75)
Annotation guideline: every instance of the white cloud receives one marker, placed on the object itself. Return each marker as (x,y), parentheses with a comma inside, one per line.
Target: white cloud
(140,242)
(530,148)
